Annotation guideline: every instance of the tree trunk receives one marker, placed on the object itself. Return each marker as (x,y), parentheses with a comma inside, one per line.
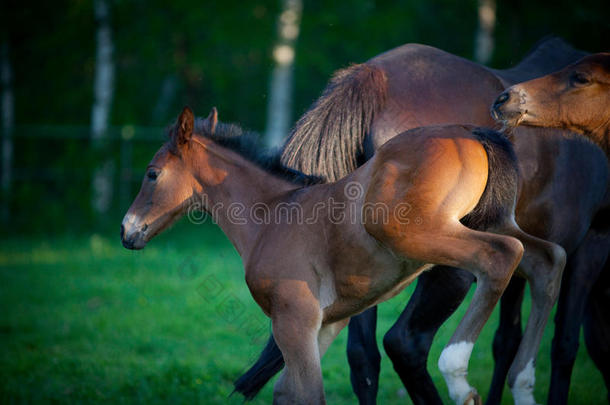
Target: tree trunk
(102,92)
(8,119)
(279,108)
(484,42)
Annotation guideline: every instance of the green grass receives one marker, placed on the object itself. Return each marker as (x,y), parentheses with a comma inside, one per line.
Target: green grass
(84,320)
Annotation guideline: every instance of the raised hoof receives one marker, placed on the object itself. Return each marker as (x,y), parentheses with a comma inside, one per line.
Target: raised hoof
(473,398)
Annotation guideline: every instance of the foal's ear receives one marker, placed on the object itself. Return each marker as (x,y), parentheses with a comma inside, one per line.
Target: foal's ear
(184,126)
(211,121)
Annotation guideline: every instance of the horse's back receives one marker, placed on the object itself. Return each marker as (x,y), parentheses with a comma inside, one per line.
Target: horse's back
(427,86)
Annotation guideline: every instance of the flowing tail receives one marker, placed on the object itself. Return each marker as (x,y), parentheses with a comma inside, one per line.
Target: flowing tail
(268,364)
(328,140)
(499,197)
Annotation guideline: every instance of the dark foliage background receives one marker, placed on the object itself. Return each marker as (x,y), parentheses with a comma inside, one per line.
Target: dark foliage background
(168,54)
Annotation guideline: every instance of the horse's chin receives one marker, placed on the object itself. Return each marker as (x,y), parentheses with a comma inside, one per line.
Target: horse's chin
(135,246)
(135,242)
(508,118)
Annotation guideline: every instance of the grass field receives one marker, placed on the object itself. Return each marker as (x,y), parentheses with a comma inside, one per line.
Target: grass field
(84,320)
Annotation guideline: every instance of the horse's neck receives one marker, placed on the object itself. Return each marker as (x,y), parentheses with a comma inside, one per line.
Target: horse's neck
(548,57)
(602,139)
(243,189)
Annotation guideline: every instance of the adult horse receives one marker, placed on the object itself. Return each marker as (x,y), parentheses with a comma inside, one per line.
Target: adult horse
(562,187)
(577,98)
(382,224)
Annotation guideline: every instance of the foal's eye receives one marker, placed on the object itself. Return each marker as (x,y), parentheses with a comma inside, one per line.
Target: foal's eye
(152,175)
(578,79)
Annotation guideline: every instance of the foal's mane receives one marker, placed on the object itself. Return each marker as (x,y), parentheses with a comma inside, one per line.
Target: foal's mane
(248,145)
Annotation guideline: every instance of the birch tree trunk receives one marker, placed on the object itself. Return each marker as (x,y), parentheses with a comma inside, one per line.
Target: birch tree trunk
(279,107)
(102,92)
(484,42)
(8,119)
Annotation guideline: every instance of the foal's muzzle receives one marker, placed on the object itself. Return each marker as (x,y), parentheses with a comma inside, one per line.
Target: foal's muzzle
(133,235)
(506,109)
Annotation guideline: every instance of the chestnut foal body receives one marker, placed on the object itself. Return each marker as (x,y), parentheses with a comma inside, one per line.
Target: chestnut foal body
(562,188)
(310,277)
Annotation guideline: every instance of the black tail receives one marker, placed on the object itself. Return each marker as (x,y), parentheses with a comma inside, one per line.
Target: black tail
(498,200)
(327,141)
(268,364)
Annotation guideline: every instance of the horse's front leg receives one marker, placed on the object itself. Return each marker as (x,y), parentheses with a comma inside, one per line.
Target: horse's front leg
(492,259)
(583,269)
(296,319)
(507,337)
(596,325)
(303,340)
(363,356)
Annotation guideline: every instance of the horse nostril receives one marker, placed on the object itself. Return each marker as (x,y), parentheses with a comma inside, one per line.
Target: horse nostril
(122,231)
(145,227)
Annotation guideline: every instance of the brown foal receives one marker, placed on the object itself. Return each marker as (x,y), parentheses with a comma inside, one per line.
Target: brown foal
(576,98)
(356,242)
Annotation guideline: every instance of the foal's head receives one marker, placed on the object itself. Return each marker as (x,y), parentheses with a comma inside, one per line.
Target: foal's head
(576,98)
(169,184)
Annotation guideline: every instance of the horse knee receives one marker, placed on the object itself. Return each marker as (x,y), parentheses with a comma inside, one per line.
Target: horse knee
(558,257)
(502,261)
(512,249)
(410,350)
(548,283)
(393,342)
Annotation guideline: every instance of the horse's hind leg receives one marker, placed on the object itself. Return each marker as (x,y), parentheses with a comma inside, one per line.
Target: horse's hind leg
(542,265)
(363,356)
(491,258)
(439,292)
(507,338)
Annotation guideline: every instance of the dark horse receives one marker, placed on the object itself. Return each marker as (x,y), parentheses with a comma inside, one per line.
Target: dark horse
(563,182)
(357,241)
(577,98)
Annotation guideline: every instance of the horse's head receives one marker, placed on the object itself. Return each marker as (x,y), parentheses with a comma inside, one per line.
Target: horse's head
(169,185)
(576,98)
